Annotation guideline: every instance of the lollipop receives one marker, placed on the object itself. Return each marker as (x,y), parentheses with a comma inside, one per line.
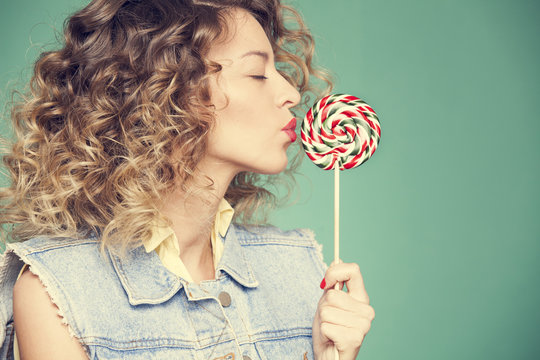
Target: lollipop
(340,129)
(340,132)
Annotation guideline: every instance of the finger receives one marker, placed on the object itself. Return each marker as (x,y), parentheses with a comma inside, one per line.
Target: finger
(351,318)
(349,273)
(337,285)
(343,301)
(345,339)
(339,261)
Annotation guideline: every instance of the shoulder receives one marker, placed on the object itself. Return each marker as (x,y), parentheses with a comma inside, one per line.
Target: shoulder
(268,234)
(49,257)
(44,244)
(263,244)
(38,323)
(43,296)
(63,265)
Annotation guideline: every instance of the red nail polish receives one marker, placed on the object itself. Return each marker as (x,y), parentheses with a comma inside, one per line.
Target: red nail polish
(323,283)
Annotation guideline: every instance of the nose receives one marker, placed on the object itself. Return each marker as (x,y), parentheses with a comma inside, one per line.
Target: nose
(288,94)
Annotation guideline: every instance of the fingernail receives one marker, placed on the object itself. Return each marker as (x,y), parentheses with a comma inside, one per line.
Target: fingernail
(323,283)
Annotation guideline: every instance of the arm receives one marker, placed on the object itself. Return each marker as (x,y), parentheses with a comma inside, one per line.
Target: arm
(40,331)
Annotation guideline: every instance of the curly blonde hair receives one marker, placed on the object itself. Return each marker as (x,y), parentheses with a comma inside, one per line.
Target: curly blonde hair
(95,134)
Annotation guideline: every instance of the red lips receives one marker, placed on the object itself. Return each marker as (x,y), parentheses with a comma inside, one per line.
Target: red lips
(290,129)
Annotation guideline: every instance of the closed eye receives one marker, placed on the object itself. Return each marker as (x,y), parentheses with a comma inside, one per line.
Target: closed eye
(259,77)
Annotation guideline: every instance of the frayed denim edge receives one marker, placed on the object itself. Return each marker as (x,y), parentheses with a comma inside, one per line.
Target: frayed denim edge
(53,296)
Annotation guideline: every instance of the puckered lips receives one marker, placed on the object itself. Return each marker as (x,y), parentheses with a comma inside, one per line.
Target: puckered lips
(290,128)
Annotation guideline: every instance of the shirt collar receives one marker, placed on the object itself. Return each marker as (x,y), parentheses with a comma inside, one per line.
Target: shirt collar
(222,221)
(146,281)
(159,235)
(224,217)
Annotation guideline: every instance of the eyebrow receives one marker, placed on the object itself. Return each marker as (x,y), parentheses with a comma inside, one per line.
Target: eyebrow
(262,54)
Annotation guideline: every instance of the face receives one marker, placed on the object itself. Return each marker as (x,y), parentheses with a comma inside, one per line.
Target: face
(249,135)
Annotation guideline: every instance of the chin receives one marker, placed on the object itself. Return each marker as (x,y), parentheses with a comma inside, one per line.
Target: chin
(272,168)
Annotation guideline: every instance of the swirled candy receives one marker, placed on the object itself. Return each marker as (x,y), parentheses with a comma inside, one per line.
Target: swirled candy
(340,130)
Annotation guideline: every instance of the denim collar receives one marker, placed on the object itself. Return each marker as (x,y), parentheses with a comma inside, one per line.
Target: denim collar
(146,281)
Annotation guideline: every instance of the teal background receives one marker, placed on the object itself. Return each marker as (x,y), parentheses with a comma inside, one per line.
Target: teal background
(443,220)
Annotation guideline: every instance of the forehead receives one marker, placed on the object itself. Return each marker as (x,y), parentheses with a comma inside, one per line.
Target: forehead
(244,34)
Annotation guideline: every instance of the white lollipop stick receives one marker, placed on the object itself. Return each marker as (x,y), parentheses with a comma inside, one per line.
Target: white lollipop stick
(336,214)
(336,230)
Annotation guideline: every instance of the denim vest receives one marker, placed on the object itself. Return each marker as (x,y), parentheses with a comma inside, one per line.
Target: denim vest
(261,304)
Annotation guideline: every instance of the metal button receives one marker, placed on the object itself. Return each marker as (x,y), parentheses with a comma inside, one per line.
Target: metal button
(224,299)
(245,357)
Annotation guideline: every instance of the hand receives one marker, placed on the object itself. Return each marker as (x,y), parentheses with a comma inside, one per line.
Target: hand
(343,318)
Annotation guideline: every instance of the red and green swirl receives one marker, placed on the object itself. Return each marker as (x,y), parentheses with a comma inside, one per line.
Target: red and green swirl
(340,128)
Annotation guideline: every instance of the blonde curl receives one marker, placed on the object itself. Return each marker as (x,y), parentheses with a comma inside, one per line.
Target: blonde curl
(118,117)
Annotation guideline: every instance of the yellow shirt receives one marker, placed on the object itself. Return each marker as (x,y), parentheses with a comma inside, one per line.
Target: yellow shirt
(165,244)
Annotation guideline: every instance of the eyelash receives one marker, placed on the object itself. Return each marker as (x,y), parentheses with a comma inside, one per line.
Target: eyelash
(259,77)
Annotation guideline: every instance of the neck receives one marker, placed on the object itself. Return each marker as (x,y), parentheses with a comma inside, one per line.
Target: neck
(192,214)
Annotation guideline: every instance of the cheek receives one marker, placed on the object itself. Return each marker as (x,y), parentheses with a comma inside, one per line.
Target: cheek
(240,119)
(228,136)
(239,122)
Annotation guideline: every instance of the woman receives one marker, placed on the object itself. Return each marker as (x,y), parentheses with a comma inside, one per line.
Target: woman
(143,137)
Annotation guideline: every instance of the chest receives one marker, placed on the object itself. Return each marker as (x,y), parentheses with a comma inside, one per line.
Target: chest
(214,320)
